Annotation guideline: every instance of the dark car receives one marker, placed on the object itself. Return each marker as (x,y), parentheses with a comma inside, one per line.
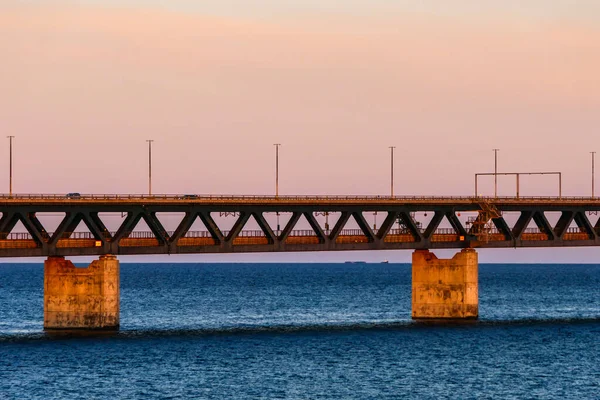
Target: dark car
(189,196)
(73,195)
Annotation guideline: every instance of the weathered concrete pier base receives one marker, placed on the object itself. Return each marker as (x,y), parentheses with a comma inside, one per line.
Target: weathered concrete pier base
(445,289)
(81,298)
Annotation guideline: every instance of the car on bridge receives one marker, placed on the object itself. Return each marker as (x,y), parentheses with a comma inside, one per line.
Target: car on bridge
(73,195)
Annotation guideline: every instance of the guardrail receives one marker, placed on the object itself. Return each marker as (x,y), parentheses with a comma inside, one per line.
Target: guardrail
(204,197)
(259,233)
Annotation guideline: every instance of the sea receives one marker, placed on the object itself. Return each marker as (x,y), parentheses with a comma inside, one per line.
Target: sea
(308,331)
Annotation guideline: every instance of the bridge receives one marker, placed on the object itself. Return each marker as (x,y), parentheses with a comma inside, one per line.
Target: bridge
(89,298)
(471,222)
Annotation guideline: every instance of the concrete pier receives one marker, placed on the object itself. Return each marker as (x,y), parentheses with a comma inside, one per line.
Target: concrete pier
(445,289)
(81,298)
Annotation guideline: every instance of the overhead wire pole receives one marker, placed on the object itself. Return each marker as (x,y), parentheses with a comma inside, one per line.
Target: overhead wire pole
(392,171)
(496,172)
(10,168)
(518,174)
(593,153)
(149,166)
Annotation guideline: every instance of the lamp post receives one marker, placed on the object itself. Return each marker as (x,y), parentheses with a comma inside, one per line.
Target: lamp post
(496,172)
(277,145)
(593,153)
(392,171)
(10,168)
(150,141)
(277,168)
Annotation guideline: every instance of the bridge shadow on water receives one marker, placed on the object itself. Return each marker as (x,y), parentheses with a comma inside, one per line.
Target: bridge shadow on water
(291,329)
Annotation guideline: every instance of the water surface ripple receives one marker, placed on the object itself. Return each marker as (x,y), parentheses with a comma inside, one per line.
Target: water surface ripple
(326,331)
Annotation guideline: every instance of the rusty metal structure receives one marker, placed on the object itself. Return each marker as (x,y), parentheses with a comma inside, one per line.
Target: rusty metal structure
(405,225)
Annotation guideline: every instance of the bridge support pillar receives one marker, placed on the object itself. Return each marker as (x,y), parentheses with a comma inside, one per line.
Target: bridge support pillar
(445,289)
(81,298)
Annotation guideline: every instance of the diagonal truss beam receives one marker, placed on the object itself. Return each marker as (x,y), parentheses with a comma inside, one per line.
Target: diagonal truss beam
(38,226)
(265,227)
(98,226)
(503,227)
(522,223)
(131,220)
(563,223)
(433,224)
(289,227)
(156,227)
(387,224)
(33,231)
(237,227)
(364,226)
(597,226)
(455,223)
(66,227)
(584,225)
(183,227)
(339,225)
(312,221)
(7,223)
(408,221)
(542,223)
(212,227)
(34,227)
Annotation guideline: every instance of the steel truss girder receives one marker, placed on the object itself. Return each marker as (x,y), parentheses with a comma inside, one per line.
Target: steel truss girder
(74,215)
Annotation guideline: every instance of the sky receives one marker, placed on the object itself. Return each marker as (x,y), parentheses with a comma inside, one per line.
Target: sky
(216,83)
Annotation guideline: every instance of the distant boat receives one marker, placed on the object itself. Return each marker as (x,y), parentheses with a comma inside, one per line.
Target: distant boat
(385,262)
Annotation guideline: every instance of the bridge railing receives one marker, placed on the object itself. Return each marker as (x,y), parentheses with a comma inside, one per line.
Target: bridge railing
(232,197)
(259,233)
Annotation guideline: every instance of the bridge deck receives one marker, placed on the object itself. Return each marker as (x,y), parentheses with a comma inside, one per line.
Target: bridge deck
(313,200)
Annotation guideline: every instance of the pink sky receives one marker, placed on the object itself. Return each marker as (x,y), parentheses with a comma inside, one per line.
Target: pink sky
(84,86)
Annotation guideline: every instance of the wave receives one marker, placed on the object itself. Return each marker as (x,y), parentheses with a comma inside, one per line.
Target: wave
(291,328)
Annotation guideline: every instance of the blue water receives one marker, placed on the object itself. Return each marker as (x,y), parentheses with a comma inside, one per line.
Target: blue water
(308,331)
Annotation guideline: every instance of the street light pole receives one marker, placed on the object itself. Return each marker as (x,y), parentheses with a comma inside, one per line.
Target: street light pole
(593,153)
(392,170)
(277,181)
(10,168)
(149,166)
(277,168)
(496,172)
